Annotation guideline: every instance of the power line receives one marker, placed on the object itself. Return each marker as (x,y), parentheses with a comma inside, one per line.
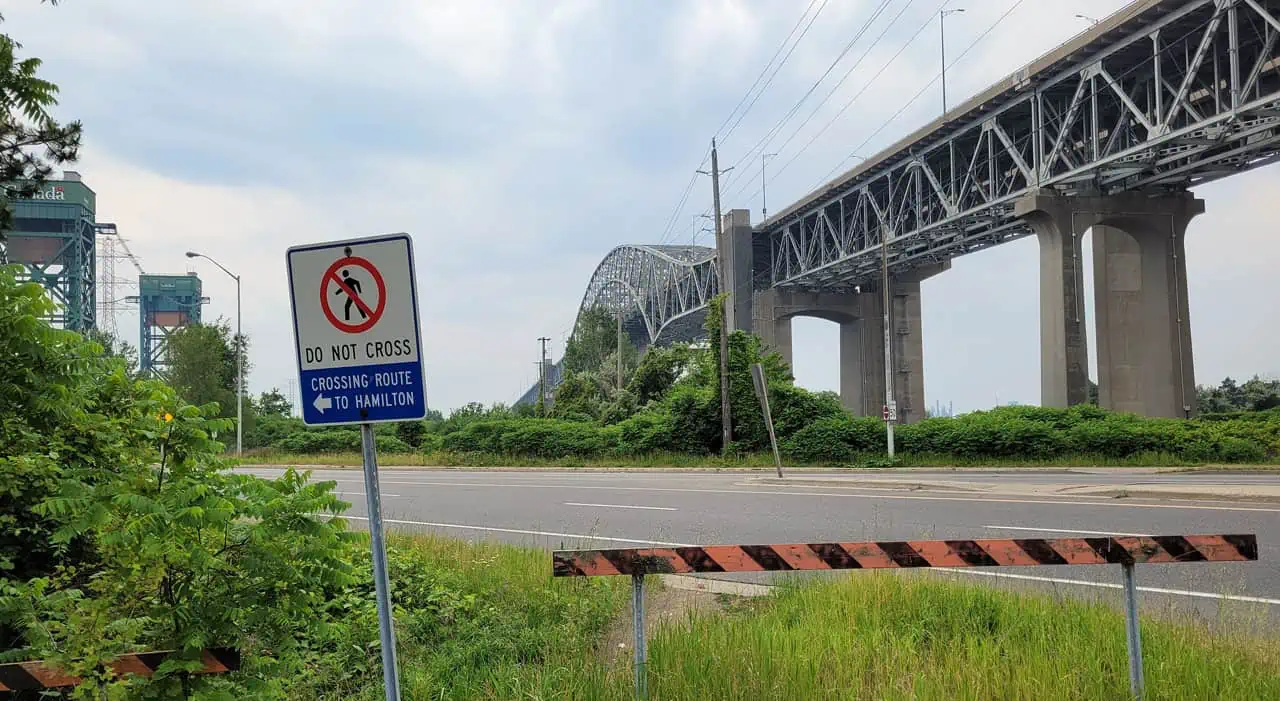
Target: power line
(764,70)
(668,231)
(869,83)
(776,69)
(764,140)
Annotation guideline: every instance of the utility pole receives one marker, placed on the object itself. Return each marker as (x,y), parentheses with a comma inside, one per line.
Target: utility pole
(890,410)
(764,197)
(942,30)
(726,420)
(542,375)
(619,350)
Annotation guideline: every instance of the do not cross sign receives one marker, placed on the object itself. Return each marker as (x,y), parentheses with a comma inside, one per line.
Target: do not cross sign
(355,314)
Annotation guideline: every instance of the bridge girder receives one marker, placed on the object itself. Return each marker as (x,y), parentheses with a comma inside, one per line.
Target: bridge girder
(656,288)
(1163,95)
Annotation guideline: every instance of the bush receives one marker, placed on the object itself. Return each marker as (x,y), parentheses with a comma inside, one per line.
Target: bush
(336,440)
(548,438)
(835,440)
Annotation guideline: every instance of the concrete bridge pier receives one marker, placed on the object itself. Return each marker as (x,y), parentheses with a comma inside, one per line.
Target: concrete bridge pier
(861,319)
(1140,291)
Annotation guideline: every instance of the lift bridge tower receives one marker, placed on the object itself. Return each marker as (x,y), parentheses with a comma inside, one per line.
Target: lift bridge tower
(166,303)
(53,240)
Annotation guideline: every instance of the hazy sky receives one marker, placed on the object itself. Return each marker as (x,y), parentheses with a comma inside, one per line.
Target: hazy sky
(519,141)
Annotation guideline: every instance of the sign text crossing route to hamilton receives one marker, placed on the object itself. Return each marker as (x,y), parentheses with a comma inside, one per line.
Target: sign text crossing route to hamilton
(355,321)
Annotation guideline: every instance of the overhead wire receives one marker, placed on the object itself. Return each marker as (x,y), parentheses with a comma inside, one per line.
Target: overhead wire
(765,69)
(778,67)
(669,230)
(778,171)
(763,142)
(832,92)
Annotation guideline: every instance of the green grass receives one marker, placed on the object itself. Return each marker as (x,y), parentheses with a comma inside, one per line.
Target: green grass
(487,621)
(684,460)
(881,636)
(474,621)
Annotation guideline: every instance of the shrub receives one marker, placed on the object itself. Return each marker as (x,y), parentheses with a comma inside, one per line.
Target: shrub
(548,438)
(835,440)
(335,440)
(646,432)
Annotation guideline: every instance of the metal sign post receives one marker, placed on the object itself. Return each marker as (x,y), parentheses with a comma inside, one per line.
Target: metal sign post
(762,393)
(355,322)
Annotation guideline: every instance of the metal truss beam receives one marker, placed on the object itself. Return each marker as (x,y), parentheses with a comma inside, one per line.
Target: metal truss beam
(1163,96)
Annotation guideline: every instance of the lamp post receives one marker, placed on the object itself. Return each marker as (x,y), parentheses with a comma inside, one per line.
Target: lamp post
(1086,18)
(239,355)
(942,31)
(764,199)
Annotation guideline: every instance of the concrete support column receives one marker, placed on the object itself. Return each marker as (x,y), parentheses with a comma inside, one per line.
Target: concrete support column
(1140,285)
(737,259)
(872,338)
(1064,353)
(908,351)
(852,375)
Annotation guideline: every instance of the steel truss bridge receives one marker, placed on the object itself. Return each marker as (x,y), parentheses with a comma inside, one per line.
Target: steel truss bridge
(661,293)
(1161,96)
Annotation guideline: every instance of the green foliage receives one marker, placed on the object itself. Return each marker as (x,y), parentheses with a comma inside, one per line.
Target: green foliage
(594,345)
(579,394)
(658,371)
(63,407)
(1254,395)
(1034,433)
(122,530)
(32,142)
(273,404)
(203,364)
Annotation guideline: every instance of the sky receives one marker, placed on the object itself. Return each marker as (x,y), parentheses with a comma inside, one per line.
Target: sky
(519,141)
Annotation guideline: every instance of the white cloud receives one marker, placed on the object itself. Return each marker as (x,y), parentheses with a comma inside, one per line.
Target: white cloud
(520,141)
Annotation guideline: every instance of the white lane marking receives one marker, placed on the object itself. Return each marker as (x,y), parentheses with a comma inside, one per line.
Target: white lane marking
(1107,585)
(1063,530)
(621,506)
(844,495)
(524,532)
(343,492)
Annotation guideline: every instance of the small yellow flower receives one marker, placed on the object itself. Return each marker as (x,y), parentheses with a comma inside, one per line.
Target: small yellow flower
(168,417)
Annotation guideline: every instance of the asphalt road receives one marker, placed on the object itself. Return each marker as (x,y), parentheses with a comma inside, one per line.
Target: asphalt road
(590,509)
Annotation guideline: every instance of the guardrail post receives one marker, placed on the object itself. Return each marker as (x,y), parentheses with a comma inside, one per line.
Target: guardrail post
(637,611)
(1131,630)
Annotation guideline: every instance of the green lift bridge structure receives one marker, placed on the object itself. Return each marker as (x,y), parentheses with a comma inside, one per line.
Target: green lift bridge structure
(54,238)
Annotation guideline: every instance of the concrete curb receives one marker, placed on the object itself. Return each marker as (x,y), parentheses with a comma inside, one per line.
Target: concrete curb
(1078,491)
(886,471)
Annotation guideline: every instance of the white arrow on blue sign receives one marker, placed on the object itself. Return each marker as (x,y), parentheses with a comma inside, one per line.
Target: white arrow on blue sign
(356,330)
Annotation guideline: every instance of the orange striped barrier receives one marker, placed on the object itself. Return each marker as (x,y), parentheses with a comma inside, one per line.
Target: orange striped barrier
(28,676)
(1126,551)
(994,552)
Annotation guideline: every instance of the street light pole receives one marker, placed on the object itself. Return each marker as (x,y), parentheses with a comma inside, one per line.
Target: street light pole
(239,351)
(942,31)
(764,198)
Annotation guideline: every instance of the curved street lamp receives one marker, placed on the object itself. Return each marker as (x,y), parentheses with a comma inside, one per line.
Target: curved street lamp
(239,355)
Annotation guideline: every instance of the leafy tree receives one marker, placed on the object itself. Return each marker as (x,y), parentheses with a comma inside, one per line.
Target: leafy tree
(273,403)
(115,347)
(594,344)
(32,142)
(658,371)
(120,529)
(203,364)
(1256,394)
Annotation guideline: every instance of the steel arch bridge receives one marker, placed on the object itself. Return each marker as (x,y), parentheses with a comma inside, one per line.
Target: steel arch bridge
(661,292)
